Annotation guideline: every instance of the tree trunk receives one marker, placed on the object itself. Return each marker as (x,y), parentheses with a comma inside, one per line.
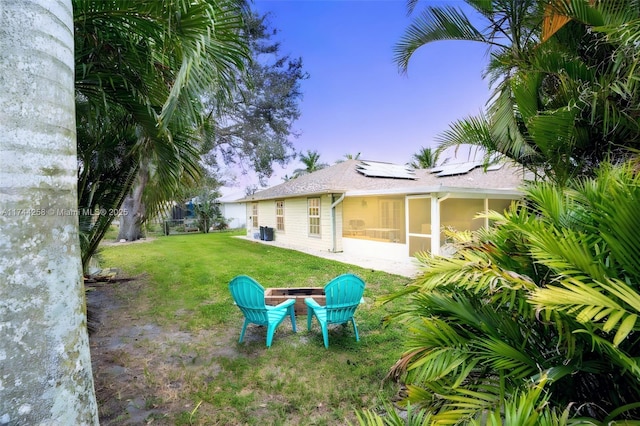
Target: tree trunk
(45,364)
(133,207)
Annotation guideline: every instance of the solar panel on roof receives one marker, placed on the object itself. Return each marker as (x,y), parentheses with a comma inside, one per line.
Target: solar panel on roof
(387,170)
(462,168)
(457,169)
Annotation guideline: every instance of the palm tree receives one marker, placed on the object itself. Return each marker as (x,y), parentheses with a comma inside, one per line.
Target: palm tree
(545,296)
(556,272)
(139,80)
(311,161)
(348,156)
(560,107)
(46,365)
(426,158)
(509,30)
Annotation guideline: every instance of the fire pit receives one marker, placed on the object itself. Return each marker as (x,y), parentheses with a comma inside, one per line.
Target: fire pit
(274,296)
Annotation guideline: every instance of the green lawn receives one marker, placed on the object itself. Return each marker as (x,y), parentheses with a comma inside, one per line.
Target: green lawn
(297,380)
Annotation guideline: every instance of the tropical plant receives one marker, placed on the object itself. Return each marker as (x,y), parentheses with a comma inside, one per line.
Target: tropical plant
(207,210)
(425,158)
(560,107)
(141,69)
(46,362)
(311,161)
(391,417)
(348,157)
(545,296)
(528,407)
(509,30)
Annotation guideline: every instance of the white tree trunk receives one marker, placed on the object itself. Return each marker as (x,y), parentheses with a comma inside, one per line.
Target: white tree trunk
(45,364)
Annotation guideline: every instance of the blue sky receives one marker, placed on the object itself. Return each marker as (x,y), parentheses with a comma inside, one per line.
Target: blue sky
(355,99)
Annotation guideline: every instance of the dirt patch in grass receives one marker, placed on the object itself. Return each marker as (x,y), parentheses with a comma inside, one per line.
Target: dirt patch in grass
(142,371)
(180,363)
(145,373)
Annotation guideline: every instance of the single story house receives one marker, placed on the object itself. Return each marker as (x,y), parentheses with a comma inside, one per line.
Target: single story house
(233,210)
(381,210)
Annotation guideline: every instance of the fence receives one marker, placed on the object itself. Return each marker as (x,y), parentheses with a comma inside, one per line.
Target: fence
(182,226)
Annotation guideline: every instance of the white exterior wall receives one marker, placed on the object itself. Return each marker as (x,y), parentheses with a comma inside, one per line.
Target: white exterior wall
(236,213)
(267,213)
(296,223)
(296,231)
(266,216)
(375,249)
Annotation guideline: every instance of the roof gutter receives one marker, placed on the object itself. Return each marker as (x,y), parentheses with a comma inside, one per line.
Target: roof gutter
(434,189)
(334,226)
(254,199)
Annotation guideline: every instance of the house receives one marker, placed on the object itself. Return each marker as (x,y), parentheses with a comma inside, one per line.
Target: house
(233,210)
(381,210)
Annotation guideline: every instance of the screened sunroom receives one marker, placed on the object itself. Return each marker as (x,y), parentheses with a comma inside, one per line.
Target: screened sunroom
(411,219)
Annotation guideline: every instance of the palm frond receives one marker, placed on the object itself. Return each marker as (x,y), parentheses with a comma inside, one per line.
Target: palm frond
(212,53)
(615,196)
(569,253)
(504,357)
(593,302)
(528,407)
(507,131)
(630,365)
(435,24)
(390,417)
(468,131)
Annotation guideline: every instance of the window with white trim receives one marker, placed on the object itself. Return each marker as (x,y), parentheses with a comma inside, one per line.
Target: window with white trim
(254,215)
(280,215)
(313,207)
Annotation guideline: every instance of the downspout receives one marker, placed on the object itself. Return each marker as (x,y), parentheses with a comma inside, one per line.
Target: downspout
(435,230)
(486,210)
(334,237)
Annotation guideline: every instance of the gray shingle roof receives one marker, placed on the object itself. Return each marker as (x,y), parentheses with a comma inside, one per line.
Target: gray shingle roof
(344,178)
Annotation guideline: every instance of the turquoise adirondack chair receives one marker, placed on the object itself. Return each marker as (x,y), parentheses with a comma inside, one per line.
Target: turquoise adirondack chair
(249,296)
(343,294)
